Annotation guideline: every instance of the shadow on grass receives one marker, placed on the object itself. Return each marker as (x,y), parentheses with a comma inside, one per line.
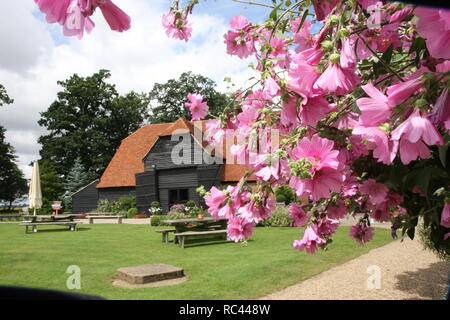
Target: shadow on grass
(205,242)
(428,283)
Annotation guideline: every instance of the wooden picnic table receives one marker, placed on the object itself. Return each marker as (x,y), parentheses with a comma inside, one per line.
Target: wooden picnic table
(43,220)
(184,228)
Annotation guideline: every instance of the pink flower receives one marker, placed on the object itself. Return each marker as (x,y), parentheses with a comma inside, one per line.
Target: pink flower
(339,212)
(197,107)
(380,212)
(54,10)
(239,23)
(400,15)
(377,140)
(326,227)
(337,80)
(176,27)
(323,161)
(314,110)
(116,18)
(401,91)
(446,236)
(323,182)
(434,26)
(361,233)
(374,110)
(322,8)
(239,41)
(257,211)
(302,36)
(441,109)
(271,87)
(447,124)
(310,242)
(348,57)
(214,133)
(298,215)
(301,77)
(239,229)
(319,151)
(376,191)
(413,133)
(227,211)
(214,200)
(445,216)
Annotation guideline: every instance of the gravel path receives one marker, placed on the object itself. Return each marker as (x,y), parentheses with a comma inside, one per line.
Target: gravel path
(407,272)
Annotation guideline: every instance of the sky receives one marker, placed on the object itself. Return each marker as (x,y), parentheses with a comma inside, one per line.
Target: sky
(34,55)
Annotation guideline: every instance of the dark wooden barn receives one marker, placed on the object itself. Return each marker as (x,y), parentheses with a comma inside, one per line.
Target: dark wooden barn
(145,166)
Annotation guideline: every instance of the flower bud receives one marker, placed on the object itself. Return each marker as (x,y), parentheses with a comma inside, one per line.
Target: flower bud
(335,58)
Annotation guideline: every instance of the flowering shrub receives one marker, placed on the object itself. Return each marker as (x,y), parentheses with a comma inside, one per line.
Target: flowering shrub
(363,109)
(179,208)
(155,208)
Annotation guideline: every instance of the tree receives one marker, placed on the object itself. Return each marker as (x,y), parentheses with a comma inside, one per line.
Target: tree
(4,98)
(76,179)
(168,99)
(12,182)
(51,186)
(88,120)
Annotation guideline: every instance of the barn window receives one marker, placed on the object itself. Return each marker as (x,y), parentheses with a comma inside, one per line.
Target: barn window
(178,196)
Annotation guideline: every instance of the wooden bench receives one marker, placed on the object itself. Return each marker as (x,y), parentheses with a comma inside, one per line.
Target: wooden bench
(91,218)
(72,225)
(182,236)
(165,234)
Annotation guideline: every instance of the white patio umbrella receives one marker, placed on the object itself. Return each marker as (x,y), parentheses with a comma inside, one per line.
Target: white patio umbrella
(35,194)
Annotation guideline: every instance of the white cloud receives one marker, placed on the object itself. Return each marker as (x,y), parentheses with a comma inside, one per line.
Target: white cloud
(32,60)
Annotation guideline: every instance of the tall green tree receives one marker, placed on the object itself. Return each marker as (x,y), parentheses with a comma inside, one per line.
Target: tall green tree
(12,182)
(88,120)
(51,186)
(76,179)
(167,100)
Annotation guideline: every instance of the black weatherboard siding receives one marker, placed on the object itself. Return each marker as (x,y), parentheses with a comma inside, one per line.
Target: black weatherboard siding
(85,200)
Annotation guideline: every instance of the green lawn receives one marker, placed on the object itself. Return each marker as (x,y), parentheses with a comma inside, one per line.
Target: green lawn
(221,270)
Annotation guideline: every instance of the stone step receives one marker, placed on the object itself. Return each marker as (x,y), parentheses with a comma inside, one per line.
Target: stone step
(149,273)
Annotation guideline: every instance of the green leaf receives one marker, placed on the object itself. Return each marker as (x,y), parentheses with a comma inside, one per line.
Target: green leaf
(274,14)
(443,155)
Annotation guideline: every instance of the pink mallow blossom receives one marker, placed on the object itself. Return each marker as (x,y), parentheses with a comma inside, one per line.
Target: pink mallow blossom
(445,216)
(298,215)
(413,134)
(361,233)
(337,80)
(337,212)
(198,108)
(326,227)
(377,192)
(324,163)
(239,229)
(74,15)
(177,27)
(400,92)
(441,109)
(434,26)
(374,110)
(310,242)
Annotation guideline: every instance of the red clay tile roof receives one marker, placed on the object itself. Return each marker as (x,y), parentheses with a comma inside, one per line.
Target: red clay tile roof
(127,160)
